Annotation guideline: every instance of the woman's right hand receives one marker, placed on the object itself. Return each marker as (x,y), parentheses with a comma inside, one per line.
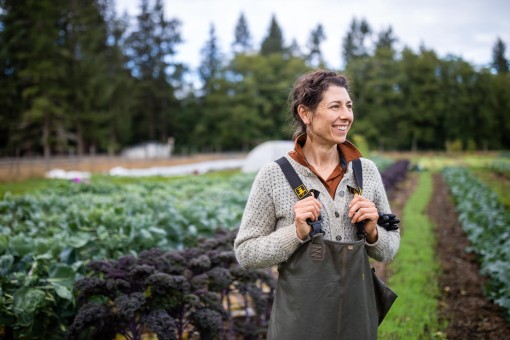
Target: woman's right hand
(308,208)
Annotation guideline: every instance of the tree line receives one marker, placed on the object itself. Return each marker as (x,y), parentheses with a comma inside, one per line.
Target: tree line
(77,78)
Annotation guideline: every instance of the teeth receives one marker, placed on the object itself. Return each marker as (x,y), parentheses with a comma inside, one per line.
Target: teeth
(341,128)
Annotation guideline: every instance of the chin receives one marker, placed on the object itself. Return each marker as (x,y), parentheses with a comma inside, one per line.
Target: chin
(341,140)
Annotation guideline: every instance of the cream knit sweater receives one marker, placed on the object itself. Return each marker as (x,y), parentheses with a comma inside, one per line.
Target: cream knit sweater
(267,234)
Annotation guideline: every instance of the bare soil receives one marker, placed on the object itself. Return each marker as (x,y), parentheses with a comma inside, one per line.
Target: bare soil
(470,315)
(462,304)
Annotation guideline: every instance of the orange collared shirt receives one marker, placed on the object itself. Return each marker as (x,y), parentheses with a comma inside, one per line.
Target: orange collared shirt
(348,152)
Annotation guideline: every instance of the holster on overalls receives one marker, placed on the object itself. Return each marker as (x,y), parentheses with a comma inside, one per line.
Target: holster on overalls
(325,290)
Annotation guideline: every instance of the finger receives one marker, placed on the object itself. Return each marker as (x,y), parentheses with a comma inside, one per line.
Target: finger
(360,204)
(355,199)
(310,200)
(308,215)
(358,199)
(305,206)
(307,212)
(315,204)
(365,214)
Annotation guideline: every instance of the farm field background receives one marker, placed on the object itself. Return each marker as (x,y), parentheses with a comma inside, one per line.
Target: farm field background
(69,251)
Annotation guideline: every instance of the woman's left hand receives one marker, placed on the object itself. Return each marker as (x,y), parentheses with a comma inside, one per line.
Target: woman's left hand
(361,209)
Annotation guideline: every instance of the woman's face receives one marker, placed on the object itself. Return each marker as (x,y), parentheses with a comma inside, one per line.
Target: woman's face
(332,119)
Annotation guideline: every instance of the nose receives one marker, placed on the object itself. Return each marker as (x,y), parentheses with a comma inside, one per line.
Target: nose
(345,114)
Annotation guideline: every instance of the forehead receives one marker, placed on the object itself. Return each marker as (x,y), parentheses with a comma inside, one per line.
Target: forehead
(335,93)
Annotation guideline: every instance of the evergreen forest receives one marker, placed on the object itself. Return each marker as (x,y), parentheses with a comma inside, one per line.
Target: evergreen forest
(77,79)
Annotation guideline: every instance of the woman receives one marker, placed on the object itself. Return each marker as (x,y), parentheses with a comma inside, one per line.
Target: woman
(318,299)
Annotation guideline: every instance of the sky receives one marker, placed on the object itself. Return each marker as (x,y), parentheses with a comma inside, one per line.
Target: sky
(466,29)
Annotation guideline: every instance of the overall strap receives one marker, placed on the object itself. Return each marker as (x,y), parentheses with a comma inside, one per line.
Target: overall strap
(292,177)
(300,190)
(387,221)
(358,173)
(358,178)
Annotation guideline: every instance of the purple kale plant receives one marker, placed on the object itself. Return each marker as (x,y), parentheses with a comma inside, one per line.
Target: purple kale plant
(395,173)
(174,294)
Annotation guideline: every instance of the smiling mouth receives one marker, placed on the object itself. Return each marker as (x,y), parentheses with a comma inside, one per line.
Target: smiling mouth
(341,128)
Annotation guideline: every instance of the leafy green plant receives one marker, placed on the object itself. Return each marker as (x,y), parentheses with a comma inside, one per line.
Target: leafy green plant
(36,296)
(485,221)
(501,166)
(48,237)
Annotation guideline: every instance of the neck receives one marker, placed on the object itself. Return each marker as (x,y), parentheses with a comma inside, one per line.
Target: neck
(320,155)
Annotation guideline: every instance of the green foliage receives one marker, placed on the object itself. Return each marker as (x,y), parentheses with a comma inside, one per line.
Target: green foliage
(47,237)
(415,271)
(485,222)
(498,184)
(355,42)
(361,143)
(501,166)
(454,146)
(211,60)
(317,36)
(18,188)
(242,36)
(77,79)
(255,108)
(499,60)
(273,42)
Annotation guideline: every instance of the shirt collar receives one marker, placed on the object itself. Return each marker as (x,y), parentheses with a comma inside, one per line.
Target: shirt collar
(348,151)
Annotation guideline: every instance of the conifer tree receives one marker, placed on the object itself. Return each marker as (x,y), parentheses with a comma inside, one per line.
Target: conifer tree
(294,50)
(31,55)
(242,36)
(317,36)
(499,60)
(150,49)
(355,42)
(211,59)
(273,43)
(386,39)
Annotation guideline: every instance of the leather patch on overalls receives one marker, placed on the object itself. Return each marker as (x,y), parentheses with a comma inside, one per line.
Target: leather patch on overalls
(316,252)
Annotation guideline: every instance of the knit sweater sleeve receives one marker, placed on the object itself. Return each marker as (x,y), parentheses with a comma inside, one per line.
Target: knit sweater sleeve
(388,242)
(259,243)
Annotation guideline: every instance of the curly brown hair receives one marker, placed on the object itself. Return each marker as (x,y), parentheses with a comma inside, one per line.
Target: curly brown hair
(308,90)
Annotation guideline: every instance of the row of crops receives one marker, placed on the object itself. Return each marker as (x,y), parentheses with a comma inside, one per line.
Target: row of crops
(101,259)
(82,252)
(486,222)
(48,237)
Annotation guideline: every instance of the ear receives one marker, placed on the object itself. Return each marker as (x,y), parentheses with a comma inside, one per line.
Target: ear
(305,114)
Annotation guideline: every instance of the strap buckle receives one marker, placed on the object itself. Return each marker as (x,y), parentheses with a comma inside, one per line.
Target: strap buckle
(316,226)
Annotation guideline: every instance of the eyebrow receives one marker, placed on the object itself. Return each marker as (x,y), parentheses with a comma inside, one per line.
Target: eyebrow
(339,102)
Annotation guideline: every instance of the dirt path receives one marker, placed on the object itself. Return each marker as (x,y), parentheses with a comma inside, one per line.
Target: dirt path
(463,305)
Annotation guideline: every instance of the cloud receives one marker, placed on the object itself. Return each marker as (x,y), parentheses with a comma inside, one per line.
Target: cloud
(465,28)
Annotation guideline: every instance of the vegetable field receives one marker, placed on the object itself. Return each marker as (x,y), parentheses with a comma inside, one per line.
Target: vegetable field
(154,258)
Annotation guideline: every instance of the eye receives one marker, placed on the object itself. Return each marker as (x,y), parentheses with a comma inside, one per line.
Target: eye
(335,107)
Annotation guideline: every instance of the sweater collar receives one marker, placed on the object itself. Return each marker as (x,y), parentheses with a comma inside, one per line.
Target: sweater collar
(348,151)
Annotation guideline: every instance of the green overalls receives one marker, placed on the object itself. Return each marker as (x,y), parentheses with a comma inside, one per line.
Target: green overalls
(325,291)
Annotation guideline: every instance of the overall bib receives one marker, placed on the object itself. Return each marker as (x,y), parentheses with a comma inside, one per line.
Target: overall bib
(325,291)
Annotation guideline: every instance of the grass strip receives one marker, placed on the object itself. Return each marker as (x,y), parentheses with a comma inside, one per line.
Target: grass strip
(26,186)
(415,273)
(500,185)
(32,185)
